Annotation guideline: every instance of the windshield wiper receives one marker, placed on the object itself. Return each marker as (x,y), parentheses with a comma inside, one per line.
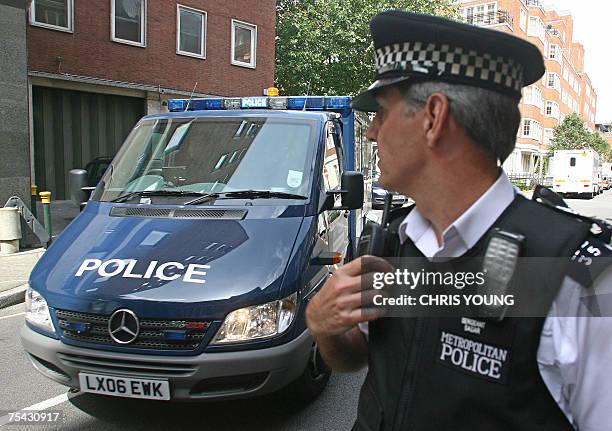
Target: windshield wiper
(205,197)
(259,194)
(140,193)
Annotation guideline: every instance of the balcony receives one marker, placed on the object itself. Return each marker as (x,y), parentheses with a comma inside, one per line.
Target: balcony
(490,18)
(536,3)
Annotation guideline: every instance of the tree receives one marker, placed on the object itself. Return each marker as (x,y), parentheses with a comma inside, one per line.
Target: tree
(599,144)
(324,46)
(571,134)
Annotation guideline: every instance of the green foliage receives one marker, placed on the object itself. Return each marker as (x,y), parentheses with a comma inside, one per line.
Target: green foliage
(324,46)
(599,144)
(572,135)
(521,184)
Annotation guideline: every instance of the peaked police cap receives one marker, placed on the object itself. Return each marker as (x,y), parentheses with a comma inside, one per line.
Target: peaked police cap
(410,46)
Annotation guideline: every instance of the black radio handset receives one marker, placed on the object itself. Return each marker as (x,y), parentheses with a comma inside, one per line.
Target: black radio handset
(373,238)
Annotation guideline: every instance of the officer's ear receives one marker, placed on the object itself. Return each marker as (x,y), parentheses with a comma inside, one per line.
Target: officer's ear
(435,118)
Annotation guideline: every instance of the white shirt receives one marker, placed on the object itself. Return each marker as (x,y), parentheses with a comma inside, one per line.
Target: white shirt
(575,353)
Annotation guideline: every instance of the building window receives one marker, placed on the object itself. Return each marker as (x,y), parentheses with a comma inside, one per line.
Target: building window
(128,21)
(553,81)
(244,44)
(468,14)
(484,14)
(54,14)
(523,21)
(536,28)
(532,129)
(191,32)
(533,96)
(526,127)
(554,52)
(552,109)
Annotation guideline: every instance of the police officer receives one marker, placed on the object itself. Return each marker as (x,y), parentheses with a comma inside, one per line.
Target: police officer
(446,100)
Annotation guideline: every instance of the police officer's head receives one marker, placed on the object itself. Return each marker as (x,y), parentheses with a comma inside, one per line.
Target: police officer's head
(441,84)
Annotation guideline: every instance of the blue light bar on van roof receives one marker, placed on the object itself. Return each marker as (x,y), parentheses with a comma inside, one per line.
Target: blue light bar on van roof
(301,103)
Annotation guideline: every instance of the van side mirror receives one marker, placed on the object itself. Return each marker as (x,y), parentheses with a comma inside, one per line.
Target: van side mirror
(79,189)
(352,183)
(351,192)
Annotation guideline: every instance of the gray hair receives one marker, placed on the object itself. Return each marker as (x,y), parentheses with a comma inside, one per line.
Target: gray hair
(489,118)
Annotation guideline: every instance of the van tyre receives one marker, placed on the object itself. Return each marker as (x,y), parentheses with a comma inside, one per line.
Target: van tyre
(313,380)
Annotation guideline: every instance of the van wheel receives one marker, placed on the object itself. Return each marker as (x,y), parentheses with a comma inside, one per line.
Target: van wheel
(313,380)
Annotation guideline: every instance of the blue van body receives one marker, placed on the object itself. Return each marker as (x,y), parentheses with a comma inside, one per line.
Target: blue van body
(180,270)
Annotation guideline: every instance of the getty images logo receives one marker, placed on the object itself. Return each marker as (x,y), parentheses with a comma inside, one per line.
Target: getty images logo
(131,268)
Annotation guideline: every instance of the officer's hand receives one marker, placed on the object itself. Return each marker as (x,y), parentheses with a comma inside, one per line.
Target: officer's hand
(338,306)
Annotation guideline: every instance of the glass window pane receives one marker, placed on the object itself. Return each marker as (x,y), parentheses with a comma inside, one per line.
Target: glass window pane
(53,12)
(242,44)
(128,16)
(203,155)
(191,32)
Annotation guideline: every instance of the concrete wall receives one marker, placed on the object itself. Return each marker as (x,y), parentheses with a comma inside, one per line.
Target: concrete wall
(14,117)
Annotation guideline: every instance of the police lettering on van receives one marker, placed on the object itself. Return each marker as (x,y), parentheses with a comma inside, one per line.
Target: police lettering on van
(130,268)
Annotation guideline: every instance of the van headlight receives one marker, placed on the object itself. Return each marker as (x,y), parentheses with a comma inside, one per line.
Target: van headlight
(257,321)
(37,311)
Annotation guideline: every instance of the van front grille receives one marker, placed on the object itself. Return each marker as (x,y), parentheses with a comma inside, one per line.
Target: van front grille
(154,334)
(178,213)
(127,367)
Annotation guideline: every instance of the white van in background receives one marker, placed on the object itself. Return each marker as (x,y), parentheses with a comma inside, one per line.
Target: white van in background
(577,172)
(606,175)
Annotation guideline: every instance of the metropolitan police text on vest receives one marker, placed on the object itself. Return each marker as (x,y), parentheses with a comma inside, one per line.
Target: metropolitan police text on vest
(473,356)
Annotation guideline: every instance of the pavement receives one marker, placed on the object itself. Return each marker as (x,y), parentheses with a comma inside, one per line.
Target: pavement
(15,268)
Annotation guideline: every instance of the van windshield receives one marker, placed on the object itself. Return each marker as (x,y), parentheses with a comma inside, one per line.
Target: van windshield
(214,155)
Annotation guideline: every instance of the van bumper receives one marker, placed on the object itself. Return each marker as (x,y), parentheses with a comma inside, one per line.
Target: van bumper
(208,376)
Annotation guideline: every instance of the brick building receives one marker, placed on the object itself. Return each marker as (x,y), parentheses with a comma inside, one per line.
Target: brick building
(564,88)
(96,66)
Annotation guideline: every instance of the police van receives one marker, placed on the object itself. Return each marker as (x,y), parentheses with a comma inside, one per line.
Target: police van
(577,172)
(187,274)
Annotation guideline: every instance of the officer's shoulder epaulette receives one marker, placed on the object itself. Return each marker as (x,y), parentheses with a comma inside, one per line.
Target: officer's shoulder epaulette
(600,229)
(594,255)
(591,259)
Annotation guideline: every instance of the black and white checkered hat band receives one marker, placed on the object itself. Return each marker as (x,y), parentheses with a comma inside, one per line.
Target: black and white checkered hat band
(435,60)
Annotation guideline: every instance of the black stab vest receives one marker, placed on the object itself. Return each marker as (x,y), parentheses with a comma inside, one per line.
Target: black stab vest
(409,387)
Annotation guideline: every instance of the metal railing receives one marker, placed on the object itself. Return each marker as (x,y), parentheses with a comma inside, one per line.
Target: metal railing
(529,181)
(490,18)
(537,3)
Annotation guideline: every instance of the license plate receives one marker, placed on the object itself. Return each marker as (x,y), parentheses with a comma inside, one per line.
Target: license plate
(125,386)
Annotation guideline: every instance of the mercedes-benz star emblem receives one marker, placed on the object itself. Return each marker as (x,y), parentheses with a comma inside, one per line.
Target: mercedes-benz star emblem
(123,326)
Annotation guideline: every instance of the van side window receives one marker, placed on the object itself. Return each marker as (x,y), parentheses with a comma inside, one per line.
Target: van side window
(331,165)
(572,161)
